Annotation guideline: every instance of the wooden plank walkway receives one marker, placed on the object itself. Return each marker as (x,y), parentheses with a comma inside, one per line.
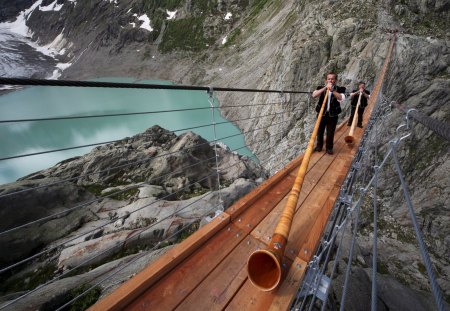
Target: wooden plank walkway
(207,271)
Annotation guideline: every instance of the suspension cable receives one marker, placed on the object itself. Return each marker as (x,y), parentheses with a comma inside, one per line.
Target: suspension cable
(126,113)
(42,82)
(118,140)
(422,247)
(437,126)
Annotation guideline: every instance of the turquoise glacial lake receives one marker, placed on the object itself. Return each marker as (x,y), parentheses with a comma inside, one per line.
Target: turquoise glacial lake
(21,138)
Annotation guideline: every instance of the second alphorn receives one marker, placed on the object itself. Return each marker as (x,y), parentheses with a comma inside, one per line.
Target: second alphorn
(349,139)
(264,266)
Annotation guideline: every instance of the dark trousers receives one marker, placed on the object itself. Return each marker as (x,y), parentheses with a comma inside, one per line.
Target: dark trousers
(360,115)
(329,123)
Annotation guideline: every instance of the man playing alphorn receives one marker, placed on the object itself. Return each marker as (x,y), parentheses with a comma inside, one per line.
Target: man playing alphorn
(363,104)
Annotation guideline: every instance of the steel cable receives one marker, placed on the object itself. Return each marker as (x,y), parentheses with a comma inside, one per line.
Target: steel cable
(124,114)
(439,127)
(422,247)
(71,83)
(118,140)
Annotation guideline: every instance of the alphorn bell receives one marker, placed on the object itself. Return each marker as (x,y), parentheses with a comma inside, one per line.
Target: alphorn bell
(349,139)
(264,266)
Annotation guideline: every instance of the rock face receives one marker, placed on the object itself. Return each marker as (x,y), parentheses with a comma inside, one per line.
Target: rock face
(39,204)
(10,9)
(284,45)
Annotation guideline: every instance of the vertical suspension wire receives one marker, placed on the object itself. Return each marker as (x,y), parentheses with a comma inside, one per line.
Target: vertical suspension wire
(342,226)
(213,122)
(375,240)
(422,247)
(376,169)
(283,110)
(282,113)
(352,246)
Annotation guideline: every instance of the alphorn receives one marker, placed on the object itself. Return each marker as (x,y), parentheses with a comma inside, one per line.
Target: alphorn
(349,139)
(264,265)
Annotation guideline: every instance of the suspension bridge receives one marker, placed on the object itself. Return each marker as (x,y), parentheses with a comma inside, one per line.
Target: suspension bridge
(209,269)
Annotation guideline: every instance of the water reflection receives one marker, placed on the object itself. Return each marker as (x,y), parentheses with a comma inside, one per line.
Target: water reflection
(45,102)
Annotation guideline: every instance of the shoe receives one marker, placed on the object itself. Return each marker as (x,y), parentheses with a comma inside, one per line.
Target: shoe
(359,125)
(318,149)
(330,151)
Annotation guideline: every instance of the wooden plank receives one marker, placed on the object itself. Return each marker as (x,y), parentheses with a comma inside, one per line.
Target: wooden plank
(285,294)
(250,218)
(307,214)
(134,287)
(221,285)
(248,200)
(168,292)
(266,227)
(249,298)
(316,232)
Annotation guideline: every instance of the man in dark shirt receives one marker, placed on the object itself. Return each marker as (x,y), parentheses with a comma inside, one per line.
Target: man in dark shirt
(331,111)
(365,95)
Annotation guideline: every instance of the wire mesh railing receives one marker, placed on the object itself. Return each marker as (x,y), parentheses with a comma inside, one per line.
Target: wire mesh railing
(110,202)
(359,194)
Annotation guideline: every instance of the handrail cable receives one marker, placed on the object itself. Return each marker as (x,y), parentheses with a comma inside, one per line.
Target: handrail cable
(437,126)
(114,141)
(42,82)
(125,114)
(419,236)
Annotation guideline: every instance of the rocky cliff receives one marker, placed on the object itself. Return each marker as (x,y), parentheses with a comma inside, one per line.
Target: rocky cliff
(286,45)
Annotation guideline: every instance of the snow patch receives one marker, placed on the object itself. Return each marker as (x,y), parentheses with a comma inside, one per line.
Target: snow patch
(54,48)
(51,7)
(58,72)
(146,22)
(221,145)
(171,15)
(19,26)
